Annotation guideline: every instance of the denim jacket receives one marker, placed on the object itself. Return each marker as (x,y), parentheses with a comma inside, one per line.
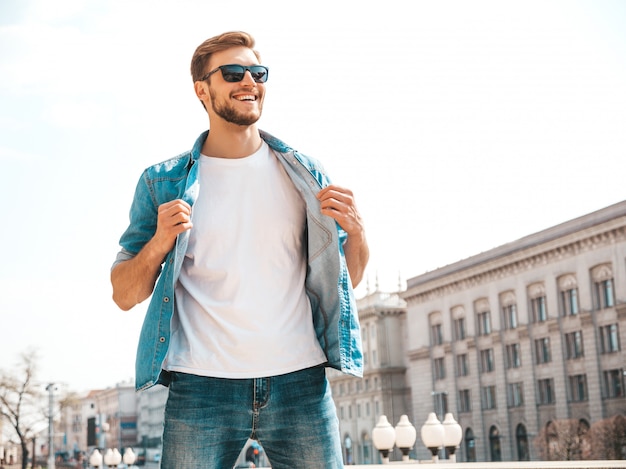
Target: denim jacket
(328,283)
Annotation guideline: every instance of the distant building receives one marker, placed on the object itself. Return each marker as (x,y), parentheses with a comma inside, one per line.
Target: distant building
(383,389)
(521,335)
(151,410)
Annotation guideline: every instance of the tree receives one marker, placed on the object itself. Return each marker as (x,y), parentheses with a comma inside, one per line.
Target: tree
(21,399)
(562,440)
(609,438)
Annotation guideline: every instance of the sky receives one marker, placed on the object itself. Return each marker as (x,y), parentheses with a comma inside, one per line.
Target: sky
(459,126)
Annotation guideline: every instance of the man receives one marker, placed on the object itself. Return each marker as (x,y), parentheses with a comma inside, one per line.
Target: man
(250,255)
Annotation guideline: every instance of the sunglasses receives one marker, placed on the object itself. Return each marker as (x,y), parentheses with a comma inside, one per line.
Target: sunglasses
(234,73)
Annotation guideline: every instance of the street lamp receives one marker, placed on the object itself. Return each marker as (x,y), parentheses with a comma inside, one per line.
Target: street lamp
(384,437)
(405,436)
(129,457)
(453,434)
(433,435)
(95,460)
(112,457)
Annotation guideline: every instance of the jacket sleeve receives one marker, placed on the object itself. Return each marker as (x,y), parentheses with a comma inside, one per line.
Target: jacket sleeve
(143,221)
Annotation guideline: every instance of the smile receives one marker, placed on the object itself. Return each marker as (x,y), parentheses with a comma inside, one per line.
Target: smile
(246,97)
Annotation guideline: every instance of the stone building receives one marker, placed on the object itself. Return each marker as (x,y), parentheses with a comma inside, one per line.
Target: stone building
(522,335)
(112,417)
(383,389)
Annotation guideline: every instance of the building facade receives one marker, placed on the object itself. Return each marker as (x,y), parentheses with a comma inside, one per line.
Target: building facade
(523,335)
(383,389)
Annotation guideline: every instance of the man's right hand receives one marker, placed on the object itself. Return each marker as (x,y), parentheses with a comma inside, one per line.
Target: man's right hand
(173,219)
(133,280)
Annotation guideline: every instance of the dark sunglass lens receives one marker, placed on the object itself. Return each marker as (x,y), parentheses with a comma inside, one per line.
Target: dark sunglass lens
(259,74)
(232,73)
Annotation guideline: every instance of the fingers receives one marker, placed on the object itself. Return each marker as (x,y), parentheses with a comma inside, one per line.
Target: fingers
(173,218)
(338,203)
(174,214)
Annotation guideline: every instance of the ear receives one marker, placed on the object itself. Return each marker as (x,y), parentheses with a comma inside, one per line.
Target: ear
(202,90)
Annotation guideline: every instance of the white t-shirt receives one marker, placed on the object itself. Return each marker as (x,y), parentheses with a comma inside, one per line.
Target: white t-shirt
(241,307)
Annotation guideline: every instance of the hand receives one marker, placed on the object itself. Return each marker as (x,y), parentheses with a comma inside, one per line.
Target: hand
(338,203)
(174,217)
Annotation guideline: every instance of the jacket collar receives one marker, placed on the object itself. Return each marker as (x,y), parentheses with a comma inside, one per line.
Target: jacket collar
(273,142)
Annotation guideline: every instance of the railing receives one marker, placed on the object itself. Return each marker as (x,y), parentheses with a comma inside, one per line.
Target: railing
(500,465)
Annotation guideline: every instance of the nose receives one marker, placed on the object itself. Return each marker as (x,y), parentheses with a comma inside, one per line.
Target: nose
(247,79)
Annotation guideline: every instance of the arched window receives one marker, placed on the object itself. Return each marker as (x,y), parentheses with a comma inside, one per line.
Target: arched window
(494,444)
(521,438)
(470,445)
(367,448)
(347,445)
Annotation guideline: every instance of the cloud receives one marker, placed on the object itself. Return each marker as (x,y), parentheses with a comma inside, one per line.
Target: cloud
(12,154)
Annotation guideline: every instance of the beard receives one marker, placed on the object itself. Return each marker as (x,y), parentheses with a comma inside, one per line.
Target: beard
(228,112)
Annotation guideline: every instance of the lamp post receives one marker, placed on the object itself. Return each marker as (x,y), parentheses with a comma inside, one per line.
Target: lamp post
(432,434)
(112,457)
(129,457)
(384,437)
(405,436)
(51,462)
(95,460)
(453,434)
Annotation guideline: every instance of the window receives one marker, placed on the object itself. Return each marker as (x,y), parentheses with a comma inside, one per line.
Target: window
(602,276)
(609,338)
(486,361)
(569,302)
(515,394)
(509,314)
(604,294)
(470,445)
(513,356)
(440,368)
(523,453)
(568,290)
(574,345)
(578,388)
(538,309)
(462,365)
(488,397)
(542,350)
(465,402)
(494,444)
(546,391)
(613,383)
(459,329)
(484,323)
(435,334)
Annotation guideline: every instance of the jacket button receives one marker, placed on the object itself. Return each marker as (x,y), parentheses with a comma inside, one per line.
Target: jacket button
(161,339)
(166,299)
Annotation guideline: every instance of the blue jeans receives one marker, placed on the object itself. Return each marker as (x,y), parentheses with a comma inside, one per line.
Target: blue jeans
(208,421)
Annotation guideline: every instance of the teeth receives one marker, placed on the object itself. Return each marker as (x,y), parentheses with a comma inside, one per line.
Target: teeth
(246,98)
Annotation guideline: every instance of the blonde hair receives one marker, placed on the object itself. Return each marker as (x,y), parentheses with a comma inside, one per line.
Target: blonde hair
(224,41)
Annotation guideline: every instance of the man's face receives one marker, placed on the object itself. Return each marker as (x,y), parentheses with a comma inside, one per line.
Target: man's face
(238,103)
